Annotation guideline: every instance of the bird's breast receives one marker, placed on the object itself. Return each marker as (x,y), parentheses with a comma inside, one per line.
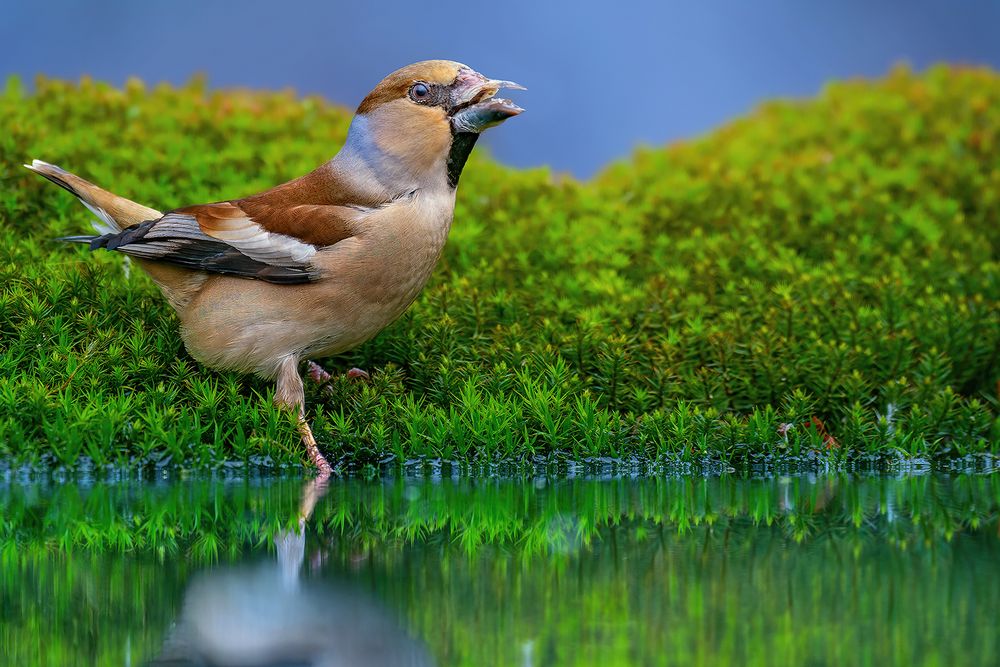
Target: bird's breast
(392,259)
(404,242)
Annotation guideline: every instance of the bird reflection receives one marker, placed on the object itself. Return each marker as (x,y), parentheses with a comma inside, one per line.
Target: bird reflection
(267,616)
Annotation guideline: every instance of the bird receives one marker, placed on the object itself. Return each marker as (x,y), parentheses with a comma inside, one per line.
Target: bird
(320,264)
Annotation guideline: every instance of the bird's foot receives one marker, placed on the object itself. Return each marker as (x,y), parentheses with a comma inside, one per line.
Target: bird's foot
(317,373)
(358,374)
(320,376)
(312,449)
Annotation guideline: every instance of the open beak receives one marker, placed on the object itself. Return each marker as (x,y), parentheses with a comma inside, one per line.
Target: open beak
(473,105)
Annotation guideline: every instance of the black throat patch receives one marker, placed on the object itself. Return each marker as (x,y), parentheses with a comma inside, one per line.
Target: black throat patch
(461,147)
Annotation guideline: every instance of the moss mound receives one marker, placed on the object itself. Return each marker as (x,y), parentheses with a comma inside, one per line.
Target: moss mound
(819,277)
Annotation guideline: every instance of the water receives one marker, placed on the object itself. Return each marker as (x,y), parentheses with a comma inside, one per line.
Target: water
(694,571)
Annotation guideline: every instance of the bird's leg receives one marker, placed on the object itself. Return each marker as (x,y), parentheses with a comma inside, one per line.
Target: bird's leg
(291,394)
(320,376)
(312,449)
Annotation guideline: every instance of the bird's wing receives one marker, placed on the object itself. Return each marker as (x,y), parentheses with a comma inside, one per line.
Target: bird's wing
(266,243)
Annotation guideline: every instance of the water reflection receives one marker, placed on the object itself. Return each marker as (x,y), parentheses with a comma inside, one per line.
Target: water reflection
(839,569)
(271,614)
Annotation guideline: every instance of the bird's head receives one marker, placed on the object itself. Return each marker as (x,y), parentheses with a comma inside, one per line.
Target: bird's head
(422,121)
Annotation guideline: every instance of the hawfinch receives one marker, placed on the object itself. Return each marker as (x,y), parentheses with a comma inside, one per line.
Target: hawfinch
(320,264)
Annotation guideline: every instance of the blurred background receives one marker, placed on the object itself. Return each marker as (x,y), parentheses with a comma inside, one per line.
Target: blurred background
(602,77)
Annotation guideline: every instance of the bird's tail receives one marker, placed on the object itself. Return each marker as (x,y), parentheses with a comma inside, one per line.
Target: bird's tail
(113,213)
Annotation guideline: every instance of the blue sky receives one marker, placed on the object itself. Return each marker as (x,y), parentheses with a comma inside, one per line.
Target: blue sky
(602,77)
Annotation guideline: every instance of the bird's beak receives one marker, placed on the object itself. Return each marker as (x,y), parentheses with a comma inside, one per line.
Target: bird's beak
(473,107)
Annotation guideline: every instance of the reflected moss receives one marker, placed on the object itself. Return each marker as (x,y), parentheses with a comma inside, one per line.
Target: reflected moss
(794,570)
(206,521)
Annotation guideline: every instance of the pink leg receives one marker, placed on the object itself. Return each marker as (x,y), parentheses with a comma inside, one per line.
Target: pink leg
(290,393)
(312,449)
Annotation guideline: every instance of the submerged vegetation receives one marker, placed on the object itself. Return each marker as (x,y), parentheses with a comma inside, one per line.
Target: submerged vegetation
(820,278)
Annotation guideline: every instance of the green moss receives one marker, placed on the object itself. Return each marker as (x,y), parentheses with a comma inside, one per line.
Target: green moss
(832,259)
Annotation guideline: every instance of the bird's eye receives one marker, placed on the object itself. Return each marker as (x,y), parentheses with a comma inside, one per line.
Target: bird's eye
(420,91)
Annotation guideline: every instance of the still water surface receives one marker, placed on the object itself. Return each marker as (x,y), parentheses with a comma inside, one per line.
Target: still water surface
(539,571)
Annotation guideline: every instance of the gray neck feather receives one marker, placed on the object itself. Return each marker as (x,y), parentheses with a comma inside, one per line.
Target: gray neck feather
(363,162)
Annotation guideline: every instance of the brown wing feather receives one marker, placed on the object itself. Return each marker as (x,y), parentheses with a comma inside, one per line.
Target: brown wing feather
(178,240)
(321,208)
(324,186)
(316,224)
(216,238)
(271,236)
